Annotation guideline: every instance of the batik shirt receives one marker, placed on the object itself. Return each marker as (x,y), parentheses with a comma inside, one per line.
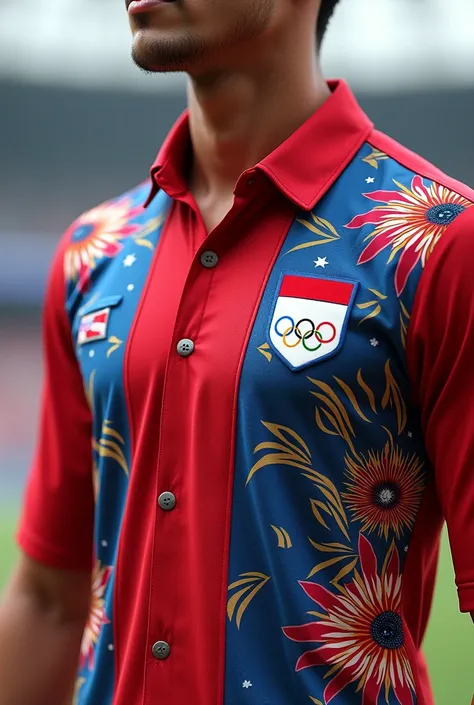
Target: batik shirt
(255,434)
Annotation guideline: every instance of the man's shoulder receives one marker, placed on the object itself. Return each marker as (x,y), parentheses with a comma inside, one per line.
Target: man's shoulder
(98,234)
(400,159)
(114,210)
(411,208)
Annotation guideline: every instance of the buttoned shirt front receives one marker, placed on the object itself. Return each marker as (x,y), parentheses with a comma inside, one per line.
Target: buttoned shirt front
(274,414)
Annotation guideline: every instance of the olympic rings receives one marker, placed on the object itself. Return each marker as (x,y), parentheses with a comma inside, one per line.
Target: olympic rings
(303,336)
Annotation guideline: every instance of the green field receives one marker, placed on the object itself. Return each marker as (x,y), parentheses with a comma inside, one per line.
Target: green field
(449,645)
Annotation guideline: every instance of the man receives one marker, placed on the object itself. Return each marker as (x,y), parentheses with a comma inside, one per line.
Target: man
(269,346)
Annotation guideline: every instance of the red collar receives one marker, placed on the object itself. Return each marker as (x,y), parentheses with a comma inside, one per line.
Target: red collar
(302,168)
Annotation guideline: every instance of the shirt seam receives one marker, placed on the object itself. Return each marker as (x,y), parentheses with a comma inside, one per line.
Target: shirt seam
(448,235)
(221,679)
(409,160)
(42,551)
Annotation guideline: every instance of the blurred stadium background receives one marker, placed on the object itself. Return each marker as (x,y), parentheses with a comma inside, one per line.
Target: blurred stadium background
(79,124)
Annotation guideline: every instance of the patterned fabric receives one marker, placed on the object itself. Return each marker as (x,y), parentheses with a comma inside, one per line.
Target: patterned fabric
(330,522)
(102,359)
(411,223)
(362,633)
(289,571)
(97,235)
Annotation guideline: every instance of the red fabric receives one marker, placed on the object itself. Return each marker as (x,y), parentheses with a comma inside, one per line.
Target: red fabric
(56,527)
(193,544)
(424,680)
(440,352)
(318,289)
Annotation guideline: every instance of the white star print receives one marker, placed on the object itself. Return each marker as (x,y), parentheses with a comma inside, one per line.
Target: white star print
(320,262)
(104,543)
(406,549)
(130,287)
(374,342)
(410,434)
(129,260)
(91,353)
(246,684)
(370,180)
(111,647)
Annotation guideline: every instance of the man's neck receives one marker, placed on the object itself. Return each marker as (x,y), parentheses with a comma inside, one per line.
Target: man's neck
(238,118)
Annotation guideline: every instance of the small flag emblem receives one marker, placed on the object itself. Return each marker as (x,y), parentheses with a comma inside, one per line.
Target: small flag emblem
(93,326)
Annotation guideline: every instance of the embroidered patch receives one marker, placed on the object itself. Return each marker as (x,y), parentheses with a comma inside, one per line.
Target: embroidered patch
(309,318)
(93,326)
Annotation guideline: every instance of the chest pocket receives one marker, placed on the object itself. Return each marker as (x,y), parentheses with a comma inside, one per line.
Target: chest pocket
(309,318)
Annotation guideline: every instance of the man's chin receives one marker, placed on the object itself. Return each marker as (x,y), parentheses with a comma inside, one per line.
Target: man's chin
(153,66)
(163,55)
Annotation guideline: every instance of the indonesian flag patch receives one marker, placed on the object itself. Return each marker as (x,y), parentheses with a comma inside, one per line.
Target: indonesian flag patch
(309,318)
(93,326)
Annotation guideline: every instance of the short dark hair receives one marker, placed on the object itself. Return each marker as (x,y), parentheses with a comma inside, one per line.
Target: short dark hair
(325,14)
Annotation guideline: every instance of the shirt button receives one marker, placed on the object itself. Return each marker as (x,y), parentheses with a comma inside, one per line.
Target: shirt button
(209,259)
(185,347)
(161,650)
(167,501)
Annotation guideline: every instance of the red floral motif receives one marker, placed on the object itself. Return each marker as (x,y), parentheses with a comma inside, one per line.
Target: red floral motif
(412,220)
(97,617)
(362,634)
(385,489)
(96,235)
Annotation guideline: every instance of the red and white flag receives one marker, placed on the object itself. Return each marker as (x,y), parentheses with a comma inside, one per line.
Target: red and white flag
(93,326)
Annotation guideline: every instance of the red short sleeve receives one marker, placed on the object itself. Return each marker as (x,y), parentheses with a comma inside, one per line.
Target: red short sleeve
(440,350)
(56,526)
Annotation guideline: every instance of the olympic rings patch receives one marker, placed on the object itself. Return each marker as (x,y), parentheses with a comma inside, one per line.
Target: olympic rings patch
(309,318)
(305,332)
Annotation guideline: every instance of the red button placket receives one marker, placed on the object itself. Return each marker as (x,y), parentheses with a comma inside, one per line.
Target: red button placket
(173,547)
(195,459)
